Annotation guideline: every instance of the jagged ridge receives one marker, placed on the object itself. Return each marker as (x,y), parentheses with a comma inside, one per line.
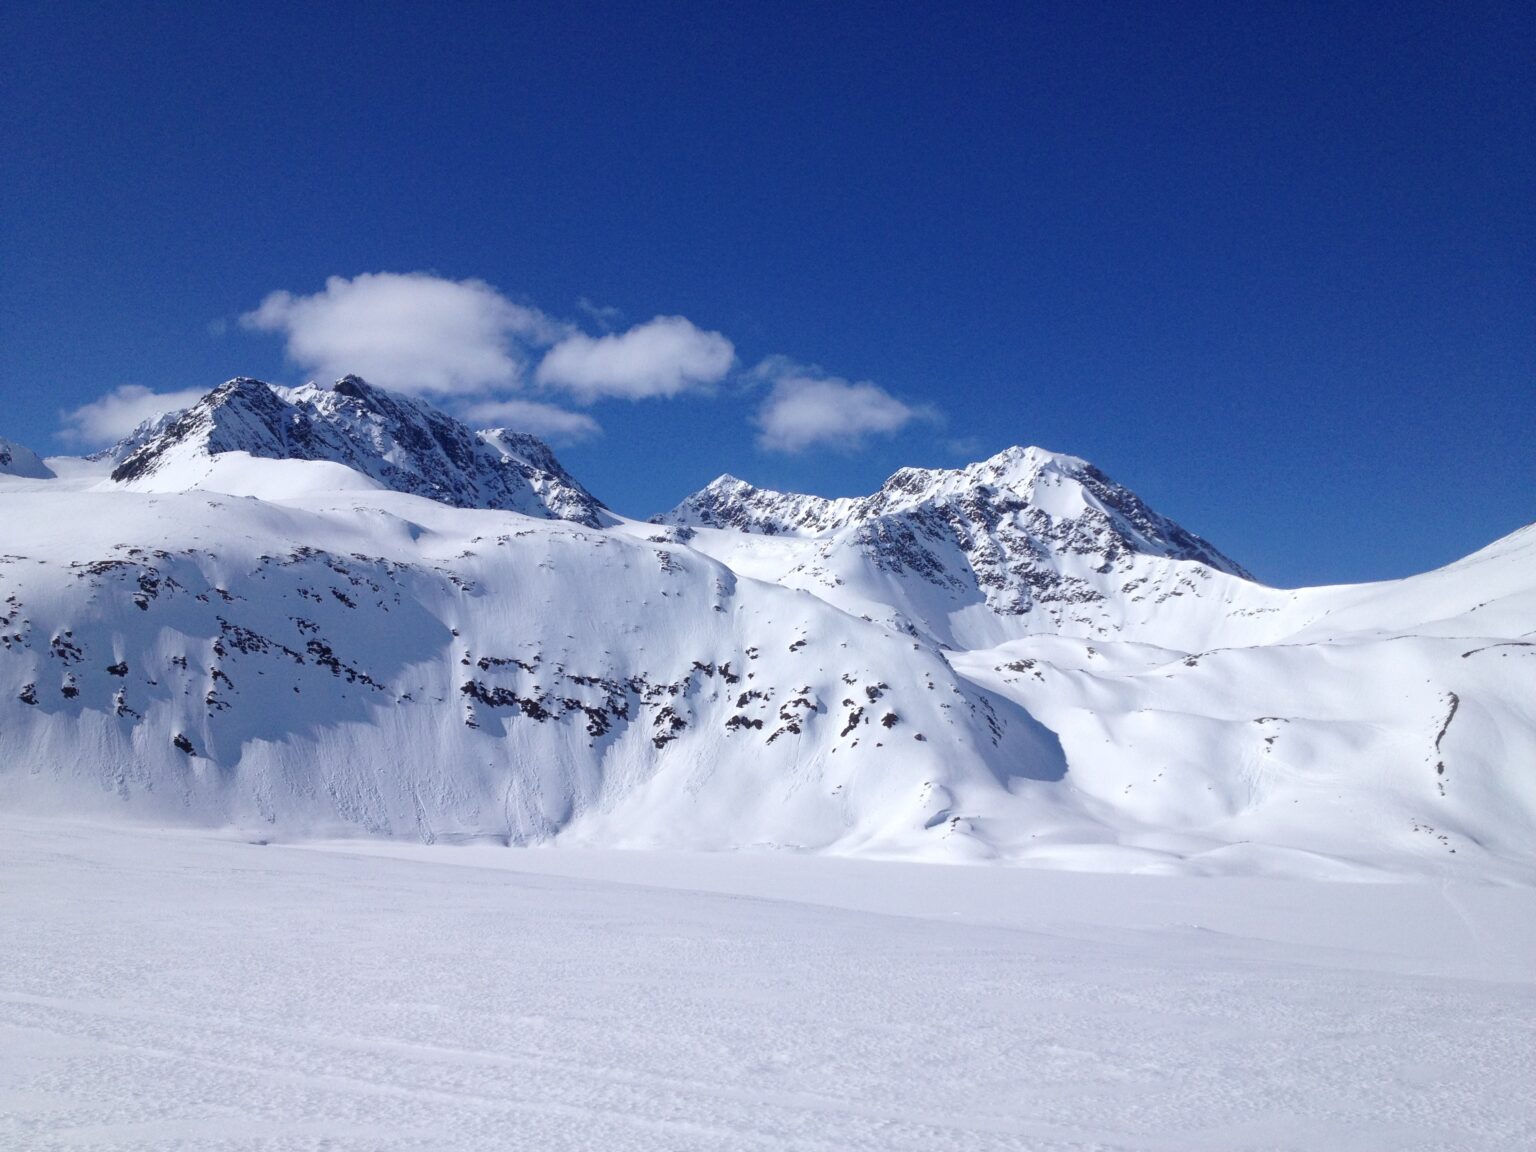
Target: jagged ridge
(402,443)
(1022,530)
(985,492)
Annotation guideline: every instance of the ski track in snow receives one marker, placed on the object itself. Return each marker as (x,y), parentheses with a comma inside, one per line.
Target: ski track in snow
(179,990)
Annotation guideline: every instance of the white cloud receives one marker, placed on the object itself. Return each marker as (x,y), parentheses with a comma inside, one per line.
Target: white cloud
(119,412)
(662,357)
(804,410)
(412,332)
(778,367)
(553,423)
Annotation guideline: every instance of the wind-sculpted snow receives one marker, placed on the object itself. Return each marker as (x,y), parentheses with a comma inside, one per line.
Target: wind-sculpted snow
(403,444)
(265,621)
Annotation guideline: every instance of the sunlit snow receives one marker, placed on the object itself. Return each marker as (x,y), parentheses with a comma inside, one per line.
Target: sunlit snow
(168,990)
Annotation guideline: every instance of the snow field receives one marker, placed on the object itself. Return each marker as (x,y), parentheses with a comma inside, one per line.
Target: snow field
(178,990)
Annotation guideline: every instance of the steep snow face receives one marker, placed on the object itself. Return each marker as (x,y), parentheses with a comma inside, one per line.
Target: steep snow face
(393,441)
(1027,541)
(16,460)
(389,664)
(556,488)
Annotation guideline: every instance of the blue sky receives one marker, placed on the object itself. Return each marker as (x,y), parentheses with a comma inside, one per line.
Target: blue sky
(1272,267)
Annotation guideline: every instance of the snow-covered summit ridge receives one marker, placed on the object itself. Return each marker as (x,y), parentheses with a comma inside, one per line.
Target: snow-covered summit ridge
(398,442)
(147,430)
(18,460)
(1025,541)
(1015,480)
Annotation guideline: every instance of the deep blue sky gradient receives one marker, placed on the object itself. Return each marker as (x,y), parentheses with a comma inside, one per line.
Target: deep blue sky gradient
(1274,267)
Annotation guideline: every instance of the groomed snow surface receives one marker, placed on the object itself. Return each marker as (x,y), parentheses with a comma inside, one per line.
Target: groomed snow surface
(177,989)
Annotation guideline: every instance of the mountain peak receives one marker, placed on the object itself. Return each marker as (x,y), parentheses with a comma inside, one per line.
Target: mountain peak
(730,502)
(399,442)
(1016,468)
(726,483)
(1016,478)
(18,460)
(350,385)
(1022,530)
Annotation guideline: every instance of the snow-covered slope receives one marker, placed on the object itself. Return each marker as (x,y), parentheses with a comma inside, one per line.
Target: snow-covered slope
(18,460)
(386,662)
(315,610)
(392,441)
(1394,722)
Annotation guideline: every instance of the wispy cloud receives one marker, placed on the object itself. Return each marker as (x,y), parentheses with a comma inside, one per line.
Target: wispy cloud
(412,332)
(662,357)
(806,409)
(559,425)
(119,412)
(604,316)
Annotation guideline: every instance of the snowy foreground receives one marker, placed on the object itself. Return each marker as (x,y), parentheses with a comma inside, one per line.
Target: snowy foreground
(164,990)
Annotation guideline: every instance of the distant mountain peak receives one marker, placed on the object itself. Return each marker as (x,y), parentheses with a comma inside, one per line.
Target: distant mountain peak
(400,442)
(1022,530)
(730,502)
(350,385)
(1020,475)
(19,460)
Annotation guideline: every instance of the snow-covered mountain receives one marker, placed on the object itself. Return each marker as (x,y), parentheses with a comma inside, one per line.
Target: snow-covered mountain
(1062,498)
(1026,541)
(322,610)
(388,663)
(390,440)
(18,460)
